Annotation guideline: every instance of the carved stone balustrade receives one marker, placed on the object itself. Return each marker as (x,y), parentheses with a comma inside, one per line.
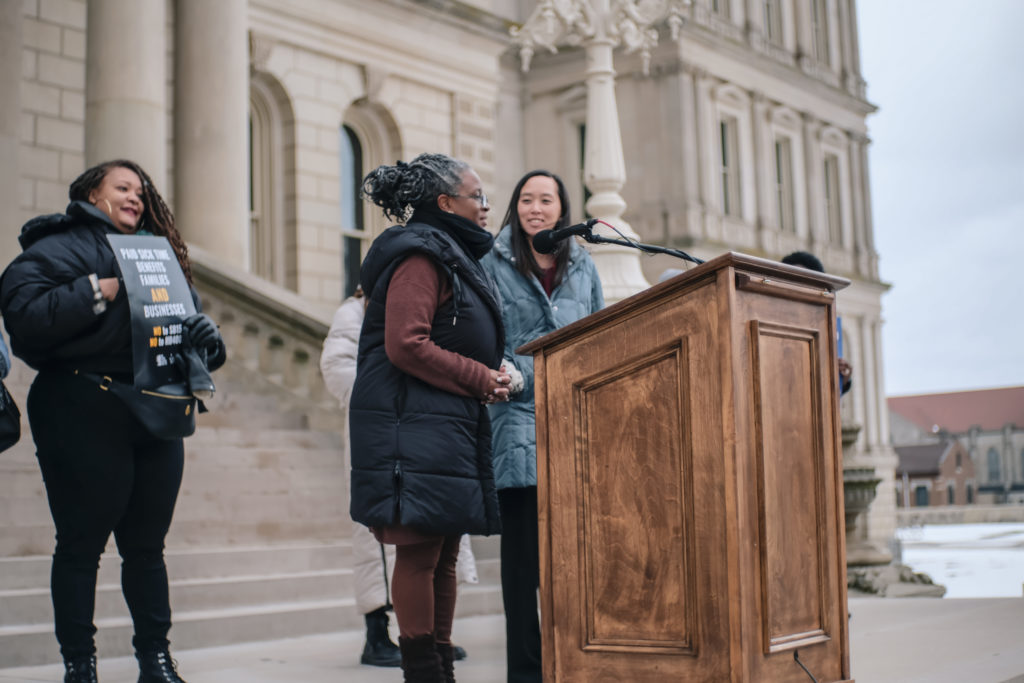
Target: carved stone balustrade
(266,328)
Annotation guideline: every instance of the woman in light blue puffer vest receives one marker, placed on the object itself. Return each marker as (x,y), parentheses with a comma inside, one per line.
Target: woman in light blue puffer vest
(540,293)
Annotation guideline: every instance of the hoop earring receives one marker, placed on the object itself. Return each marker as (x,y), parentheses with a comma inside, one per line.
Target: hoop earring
(110,209)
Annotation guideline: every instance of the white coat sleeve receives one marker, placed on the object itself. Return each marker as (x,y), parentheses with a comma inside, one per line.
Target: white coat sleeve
(341,347)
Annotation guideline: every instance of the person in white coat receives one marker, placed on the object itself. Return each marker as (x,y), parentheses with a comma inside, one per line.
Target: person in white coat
(372,562)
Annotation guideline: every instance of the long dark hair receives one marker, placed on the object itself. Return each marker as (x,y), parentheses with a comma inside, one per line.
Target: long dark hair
(156,216)
(521,248)
(405,187)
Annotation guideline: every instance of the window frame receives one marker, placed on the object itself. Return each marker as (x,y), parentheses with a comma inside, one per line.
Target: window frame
(785,190)
(821,41)
(921,496)
(832,197)
(993,466)
(774,23)
(730,167)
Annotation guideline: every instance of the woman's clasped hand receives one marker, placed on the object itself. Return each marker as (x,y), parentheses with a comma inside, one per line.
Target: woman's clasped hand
(500,383)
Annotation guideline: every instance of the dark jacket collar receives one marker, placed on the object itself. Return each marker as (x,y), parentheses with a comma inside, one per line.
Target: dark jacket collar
(78,212)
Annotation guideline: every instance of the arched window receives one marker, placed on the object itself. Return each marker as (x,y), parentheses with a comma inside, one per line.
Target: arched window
(368,138)
(272,244)
(353,233)
(734,153)
(995,473)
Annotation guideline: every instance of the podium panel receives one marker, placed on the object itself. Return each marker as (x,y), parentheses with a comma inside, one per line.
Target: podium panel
(636,550)
(687,445)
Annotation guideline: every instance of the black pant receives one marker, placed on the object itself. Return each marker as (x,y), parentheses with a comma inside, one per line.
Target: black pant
(520,580)
(103,472)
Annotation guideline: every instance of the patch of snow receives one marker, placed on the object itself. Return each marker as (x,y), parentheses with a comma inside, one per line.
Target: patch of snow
(970,560)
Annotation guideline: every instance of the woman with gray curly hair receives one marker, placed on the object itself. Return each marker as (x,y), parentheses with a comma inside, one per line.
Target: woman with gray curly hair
(429,363)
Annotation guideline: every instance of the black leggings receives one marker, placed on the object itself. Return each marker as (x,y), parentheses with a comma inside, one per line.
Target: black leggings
(103,473)
(520,579)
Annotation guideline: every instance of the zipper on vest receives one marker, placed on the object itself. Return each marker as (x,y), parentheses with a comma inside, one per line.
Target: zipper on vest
(456,292)
(396,477)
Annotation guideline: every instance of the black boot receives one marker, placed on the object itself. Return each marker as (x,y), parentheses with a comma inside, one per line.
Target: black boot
(421,662)
(447,652)
(157,667)
(379,650)
(81,670)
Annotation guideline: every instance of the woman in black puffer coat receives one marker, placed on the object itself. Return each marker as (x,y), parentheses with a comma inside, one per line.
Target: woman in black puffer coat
(429,357)
(68,316)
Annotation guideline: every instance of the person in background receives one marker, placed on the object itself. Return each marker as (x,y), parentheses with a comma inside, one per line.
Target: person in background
(372,562)
(429,362)
(808,260)
(66,312)
(540,293)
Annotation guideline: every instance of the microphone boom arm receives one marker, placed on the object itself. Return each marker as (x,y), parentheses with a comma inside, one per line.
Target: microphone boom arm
(647,248)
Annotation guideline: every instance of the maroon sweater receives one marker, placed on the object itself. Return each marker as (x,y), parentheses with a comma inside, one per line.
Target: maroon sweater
(417,289)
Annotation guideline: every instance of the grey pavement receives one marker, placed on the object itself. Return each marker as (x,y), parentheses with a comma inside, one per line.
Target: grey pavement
(893,640)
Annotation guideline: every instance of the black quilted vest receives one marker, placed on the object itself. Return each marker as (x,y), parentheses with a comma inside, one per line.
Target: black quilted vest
(421,457)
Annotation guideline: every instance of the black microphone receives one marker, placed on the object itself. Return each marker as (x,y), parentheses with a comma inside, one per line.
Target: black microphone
(545,241)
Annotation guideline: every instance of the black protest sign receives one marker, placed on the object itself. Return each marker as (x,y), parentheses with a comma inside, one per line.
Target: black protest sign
(159,299)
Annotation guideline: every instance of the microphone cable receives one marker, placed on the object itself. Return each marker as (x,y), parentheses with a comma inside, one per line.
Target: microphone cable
(796,658)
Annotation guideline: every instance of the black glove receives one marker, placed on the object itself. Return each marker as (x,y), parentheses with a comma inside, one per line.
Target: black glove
(202,332)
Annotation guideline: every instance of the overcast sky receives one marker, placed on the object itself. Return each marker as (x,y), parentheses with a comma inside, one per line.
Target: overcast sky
(947,180)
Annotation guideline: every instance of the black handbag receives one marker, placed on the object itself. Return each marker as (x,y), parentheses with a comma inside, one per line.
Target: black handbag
(10,419)
(168,412)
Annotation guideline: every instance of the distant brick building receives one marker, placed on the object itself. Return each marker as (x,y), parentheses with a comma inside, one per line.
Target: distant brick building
(934,474)
(988,424)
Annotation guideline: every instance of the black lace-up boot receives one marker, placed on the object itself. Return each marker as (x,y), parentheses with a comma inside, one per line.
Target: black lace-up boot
(81,670)
(379,649)
(157,667)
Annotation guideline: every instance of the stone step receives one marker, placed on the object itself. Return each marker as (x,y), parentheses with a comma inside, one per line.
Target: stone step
(199,622)
(33,606)
(35,644)
(274,487)
(186,564)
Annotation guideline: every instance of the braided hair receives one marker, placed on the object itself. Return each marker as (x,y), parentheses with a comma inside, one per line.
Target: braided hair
(405,187)
(156,216)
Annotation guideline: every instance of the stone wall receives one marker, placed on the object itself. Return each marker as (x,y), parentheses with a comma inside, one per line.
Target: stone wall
(960,514)
(52,102)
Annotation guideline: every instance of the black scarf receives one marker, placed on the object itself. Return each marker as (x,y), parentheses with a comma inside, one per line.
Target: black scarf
(473,239)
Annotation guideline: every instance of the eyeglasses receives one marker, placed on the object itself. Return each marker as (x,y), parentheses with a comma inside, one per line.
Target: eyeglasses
(480,199)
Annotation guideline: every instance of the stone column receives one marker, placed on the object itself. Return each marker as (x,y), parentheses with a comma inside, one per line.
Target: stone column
(882,524)
(211,132)
(812,161)
(10,128)
(706,127)
(861,258)
(126,84)
(869,229)
(764,179)
(691,155)
(757,32)
(855,83)
(604,172)
(804,39)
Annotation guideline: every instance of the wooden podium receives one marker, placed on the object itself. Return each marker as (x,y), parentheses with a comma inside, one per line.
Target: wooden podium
(690,485)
